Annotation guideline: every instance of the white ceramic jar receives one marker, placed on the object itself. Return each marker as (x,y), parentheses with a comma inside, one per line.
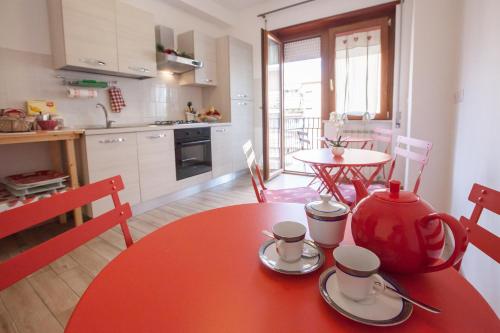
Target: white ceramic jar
(326,220)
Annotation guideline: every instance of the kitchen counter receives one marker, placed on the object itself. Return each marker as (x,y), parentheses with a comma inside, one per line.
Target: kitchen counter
(40,136)
(145,128)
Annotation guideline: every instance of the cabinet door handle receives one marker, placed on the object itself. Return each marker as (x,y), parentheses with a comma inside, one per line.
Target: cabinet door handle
(208,80)
(242,103)
(116,140)
(159,136)
(93,62)
(139,69)
(221,130)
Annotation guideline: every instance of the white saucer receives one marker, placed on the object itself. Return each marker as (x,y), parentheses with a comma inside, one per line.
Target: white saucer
(384,309)
(271,259)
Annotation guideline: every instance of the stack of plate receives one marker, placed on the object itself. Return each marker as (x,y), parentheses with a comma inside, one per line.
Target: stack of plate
(25,184)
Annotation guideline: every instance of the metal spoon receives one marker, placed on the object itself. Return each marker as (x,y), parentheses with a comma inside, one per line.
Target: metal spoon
(412,300)
(306,254)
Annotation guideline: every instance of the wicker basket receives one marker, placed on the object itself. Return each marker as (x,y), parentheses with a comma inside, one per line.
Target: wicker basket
(8,124)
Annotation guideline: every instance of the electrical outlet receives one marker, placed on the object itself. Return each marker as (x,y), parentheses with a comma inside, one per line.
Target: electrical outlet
(459,96)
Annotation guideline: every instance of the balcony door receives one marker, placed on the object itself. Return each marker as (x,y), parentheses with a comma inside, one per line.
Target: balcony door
(272,104)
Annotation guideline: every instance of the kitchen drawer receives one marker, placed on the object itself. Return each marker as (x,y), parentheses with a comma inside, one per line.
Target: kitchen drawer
(110,155)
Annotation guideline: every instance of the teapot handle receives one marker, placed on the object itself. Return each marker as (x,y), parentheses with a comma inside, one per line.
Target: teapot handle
(459,235)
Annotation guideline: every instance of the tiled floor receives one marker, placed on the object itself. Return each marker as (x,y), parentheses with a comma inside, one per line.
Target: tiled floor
(43,302)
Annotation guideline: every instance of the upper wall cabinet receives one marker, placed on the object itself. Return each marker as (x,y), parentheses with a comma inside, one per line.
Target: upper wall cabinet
(102,36)
(203,48)
(235,75)
(136,40)
(240,69)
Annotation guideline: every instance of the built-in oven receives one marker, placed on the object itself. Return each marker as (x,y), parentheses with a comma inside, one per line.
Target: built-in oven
(193,152)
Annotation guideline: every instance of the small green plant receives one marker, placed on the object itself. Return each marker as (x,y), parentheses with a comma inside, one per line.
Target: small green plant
(336,143)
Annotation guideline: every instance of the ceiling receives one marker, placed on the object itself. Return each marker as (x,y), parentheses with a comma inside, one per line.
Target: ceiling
(238,4)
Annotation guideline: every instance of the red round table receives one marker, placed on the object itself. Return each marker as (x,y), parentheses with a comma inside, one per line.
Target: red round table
(202,274)
(322,162)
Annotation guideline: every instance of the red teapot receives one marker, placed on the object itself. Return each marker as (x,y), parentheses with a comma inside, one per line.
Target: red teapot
(404,230)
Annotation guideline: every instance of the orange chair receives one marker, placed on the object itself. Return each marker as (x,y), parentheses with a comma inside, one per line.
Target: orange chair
(21,218)
(291,195)
(481,238)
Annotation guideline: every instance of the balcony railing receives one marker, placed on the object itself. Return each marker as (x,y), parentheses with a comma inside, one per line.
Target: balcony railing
(299,133)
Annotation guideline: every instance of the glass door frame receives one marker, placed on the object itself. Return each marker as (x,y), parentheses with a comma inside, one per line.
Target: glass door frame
(265,37)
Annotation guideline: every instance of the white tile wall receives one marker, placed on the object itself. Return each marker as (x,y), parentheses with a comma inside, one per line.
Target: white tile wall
(26,75)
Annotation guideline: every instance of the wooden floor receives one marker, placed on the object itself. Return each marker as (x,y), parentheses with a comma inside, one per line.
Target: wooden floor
(44,301)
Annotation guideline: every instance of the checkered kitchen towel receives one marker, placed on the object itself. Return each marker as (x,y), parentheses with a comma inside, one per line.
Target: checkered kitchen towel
(116,99)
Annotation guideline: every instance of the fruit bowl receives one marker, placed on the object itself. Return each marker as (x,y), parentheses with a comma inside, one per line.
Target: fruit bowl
(47,125)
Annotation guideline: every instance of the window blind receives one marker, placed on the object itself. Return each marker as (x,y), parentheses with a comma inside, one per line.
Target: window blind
(303,49)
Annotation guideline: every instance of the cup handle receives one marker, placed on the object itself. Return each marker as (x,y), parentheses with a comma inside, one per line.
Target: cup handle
(379,281)
(279,244)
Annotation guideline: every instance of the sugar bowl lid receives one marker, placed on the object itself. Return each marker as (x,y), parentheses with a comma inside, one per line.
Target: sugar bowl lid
(327,209)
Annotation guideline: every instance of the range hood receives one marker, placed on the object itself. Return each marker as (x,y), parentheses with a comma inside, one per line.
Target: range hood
(176,64)
(171,62)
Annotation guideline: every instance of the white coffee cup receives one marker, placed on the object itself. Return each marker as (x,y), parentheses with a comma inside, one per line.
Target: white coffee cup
(357,269)
(289,238)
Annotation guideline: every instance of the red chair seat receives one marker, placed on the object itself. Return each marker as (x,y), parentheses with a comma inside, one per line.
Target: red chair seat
(349,193)
(291,195)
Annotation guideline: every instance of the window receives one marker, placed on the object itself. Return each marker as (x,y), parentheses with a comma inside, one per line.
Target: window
(359,58)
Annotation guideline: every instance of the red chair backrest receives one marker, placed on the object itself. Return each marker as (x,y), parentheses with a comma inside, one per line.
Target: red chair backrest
(254,170)
(18,219)
(420,157)
(484,240)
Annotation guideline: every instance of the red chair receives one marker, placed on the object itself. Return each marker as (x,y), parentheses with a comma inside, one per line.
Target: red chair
(291,195)
(18,219)
(421,158)
(481,238)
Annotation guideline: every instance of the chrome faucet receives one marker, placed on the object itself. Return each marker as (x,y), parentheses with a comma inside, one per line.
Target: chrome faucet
(108,122)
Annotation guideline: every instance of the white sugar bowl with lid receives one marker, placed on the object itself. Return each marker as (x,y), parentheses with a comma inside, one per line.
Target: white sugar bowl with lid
(326,220)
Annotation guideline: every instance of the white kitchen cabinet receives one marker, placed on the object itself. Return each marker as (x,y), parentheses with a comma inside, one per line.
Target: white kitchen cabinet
(222,160)
(242,127)
(83,34)
(234,74)
(109,155)
(240,69)
(203,48)
(156,155)
(102,36)
(233,96)
(135,40)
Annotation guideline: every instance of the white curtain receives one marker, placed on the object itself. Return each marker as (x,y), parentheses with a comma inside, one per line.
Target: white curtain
(358,72)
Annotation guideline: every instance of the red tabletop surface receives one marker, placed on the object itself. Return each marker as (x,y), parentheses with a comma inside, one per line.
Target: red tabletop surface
(202,274)
(351,157)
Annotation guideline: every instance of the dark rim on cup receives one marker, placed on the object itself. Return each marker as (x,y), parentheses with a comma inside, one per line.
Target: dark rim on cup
(289,239)
(354,272)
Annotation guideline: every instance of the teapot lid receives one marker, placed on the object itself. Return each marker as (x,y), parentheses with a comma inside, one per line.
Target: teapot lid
(395,195)
(327,209)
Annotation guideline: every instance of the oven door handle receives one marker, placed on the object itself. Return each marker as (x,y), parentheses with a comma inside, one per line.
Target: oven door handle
(194,142)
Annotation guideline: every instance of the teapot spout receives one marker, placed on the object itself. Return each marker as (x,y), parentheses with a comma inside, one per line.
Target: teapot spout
(359,187)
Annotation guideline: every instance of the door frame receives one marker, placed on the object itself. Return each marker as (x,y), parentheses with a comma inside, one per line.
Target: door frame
(265,35)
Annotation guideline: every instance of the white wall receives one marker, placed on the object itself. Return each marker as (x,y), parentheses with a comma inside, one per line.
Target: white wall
(476,157)
(432,84)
